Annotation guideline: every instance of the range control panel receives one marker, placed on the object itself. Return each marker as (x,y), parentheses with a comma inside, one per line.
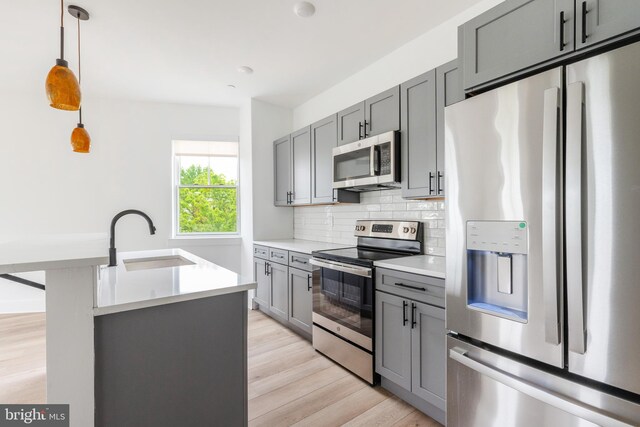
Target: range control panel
(498,236)
(404,230)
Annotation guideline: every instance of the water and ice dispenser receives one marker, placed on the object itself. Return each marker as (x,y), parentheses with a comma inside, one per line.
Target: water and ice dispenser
(497,268)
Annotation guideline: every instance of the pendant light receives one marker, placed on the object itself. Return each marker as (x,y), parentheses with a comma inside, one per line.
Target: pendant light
(80,139)
(62,86)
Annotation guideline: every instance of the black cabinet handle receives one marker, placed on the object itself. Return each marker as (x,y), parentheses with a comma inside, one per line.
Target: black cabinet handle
(365,128)
(300,260)
(562,21)
(417,288)
(440,190)
(584,22)
(360,130)
(268,266)
(308,282)
(431,176)
(265,269)
(404,313)
(413,315)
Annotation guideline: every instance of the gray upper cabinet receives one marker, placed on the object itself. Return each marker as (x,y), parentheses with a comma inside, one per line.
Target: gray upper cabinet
(301,167)
(350,124)
(418,137)
(300,298)
(514,35)
(429,354)
(376,115)
(324,137)
(393,339)
(382,112)
(279,304)
(599,20)
(448,91)
(282,170)
(261,275)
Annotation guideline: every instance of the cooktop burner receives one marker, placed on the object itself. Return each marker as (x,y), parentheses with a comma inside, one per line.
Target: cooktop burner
(359,256)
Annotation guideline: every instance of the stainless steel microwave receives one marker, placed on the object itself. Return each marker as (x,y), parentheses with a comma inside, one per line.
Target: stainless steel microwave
(369,164)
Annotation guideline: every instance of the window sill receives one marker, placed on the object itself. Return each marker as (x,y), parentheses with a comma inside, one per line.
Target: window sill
(232,240)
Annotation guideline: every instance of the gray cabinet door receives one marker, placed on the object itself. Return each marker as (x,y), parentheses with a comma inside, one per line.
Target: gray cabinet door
(350,124)
(448,91)
(428,354)
(514,35)
(324,138)
(279,290)
(418,136)
(604,19)
(282,170)
(393,339)
(382,112)
(300,297)
(264,283)
(301,166)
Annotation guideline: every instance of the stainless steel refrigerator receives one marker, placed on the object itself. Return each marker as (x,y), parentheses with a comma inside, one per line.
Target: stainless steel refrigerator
(543,249)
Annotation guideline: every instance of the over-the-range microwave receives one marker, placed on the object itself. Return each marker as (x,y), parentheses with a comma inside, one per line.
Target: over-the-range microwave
(369,164)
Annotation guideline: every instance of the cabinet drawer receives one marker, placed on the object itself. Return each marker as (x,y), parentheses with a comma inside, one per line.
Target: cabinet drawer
(260,252)
(300,260)
(278,255)
(425,289)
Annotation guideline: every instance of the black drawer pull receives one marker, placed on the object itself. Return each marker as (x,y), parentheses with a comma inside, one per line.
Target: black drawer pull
(300,260)
(275,255)
(417,288)
(404,313)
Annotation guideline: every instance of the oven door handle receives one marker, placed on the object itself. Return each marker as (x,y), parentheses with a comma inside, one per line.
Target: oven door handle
(345,268)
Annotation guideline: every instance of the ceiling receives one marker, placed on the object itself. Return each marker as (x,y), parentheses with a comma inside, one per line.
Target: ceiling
(187,51)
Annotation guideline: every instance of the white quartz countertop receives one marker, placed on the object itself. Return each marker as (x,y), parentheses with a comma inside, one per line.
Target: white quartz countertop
(426,265)
(121,289)
(48,252)
(299,245)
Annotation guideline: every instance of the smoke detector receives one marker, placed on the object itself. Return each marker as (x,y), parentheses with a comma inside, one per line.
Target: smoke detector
(304,9)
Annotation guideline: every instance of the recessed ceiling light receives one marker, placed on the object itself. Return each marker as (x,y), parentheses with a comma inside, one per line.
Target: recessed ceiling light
(245,70)
(304,9)
(231,86)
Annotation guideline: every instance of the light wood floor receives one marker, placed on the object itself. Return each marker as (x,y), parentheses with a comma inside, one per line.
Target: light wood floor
(289,382)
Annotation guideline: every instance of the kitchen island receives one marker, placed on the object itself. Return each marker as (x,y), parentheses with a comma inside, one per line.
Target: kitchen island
(160,339)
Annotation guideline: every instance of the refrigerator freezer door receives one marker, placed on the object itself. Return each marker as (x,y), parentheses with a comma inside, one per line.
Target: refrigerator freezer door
(488,390)
(603,173)
(503,154)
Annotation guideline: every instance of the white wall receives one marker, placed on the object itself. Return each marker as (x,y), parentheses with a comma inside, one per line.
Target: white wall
(46,188)
(428,51)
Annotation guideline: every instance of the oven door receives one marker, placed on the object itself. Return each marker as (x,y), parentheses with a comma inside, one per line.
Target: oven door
(343,300)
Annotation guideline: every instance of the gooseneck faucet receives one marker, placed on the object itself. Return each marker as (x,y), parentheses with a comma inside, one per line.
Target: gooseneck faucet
(112,240)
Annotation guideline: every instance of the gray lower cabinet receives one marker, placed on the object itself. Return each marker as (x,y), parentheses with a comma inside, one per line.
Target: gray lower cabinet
(350,124)
(410,346)
(300,299)
(279,297)
(424,99)
(301,167)
(599,20)
(260,273)
(282,171)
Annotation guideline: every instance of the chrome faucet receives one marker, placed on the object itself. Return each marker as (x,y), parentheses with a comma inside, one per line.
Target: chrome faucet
(112,240)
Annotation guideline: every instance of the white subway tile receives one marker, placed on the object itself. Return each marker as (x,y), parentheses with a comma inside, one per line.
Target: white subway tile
(406,215)
(393,206)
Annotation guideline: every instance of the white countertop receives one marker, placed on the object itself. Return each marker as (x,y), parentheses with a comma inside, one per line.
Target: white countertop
(426,265)
(299,245)
(48,252)
(122,290)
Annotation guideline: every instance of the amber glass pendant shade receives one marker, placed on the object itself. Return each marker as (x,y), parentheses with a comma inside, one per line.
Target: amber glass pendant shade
(63,89)
(80,139)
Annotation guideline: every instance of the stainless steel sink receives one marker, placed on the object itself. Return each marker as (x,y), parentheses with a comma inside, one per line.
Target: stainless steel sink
(156,262)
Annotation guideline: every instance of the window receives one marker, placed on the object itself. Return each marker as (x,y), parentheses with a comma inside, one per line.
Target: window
(206,187)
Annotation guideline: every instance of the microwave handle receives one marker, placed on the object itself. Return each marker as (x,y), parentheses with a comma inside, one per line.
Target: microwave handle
(375,160)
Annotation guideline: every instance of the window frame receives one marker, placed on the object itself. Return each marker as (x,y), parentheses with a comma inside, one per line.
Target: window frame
(176,196)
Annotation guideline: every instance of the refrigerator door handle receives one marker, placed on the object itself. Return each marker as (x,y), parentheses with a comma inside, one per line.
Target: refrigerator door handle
(535,391)
(573,191)
(550,217)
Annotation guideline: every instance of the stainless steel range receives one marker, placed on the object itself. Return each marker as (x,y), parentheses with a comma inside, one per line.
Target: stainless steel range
(343,291)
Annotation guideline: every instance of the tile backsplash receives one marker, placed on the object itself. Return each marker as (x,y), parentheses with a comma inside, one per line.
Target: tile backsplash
(335,223)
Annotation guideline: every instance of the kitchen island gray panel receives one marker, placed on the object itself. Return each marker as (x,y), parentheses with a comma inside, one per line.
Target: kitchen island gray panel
(173,365)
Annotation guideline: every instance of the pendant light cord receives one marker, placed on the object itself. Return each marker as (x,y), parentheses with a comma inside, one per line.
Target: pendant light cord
(79,67)
(62,29)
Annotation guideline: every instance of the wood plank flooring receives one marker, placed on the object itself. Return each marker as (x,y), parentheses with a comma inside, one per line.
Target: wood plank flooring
(290,384)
